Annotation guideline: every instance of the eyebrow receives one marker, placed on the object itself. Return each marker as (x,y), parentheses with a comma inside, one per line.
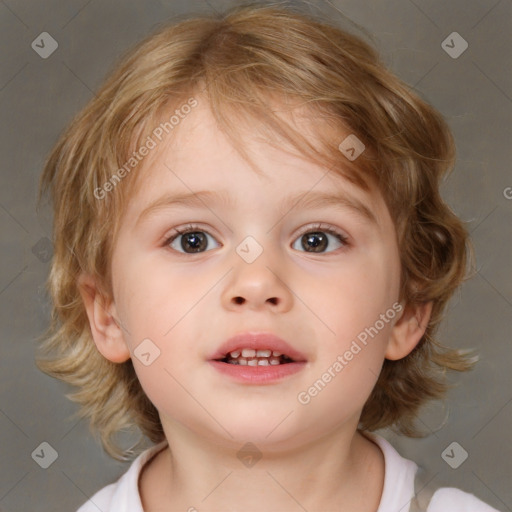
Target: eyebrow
(338,199)
(307,199)
(200,199)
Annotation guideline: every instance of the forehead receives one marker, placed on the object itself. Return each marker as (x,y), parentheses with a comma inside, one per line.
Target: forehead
(198,155)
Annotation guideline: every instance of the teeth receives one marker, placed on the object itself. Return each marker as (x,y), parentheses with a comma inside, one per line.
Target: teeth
(252,357)
(255,362)
(250,352)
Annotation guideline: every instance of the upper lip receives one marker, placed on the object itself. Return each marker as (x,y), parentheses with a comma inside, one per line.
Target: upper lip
(257,340)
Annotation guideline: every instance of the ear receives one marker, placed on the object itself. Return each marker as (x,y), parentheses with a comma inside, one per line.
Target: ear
(408,330)
(105,330)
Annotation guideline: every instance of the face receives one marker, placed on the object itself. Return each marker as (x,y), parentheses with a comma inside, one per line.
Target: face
(249,253)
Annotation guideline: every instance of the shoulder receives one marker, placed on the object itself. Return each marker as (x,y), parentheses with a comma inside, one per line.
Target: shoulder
(123,495)
(101,500)
(449,498)
(399,475)
(403,482)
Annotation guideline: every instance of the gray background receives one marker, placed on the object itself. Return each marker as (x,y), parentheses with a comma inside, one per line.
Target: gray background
(38,97)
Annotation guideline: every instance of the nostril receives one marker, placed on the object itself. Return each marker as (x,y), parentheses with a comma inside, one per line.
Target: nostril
(241,300)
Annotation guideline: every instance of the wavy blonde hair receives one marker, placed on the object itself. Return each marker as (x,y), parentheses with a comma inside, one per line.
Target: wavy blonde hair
(239,60)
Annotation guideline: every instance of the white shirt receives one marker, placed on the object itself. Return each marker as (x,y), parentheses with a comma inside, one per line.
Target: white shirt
(123,495)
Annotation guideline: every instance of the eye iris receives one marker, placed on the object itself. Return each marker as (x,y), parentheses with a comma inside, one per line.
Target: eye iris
(317,240)
(196,240)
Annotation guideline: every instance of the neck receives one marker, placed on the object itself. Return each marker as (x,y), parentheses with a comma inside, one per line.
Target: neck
(343,471)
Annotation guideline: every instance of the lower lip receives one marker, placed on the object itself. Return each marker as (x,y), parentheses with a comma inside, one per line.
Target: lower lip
(258,374)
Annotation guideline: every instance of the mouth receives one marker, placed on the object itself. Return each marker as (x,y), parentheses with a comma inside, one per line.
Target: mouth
(257,349)
(257,358)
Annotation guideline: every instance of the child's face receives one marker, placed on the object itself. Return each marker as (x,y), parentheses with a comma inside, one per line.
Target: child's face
(189,304)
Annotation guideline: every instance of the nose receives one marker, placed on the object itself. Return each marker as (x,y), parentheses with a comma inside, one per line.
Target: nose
(259,285)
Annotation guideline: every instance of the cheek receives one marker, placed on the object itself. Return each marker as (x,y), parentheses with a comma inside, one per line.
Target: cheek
(167,385)
(354,296)
(153,295)
(355,304)
(163,304)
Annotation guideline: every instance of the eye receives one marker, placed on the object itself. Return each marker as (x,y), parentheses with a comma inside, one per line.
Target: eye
(189,241)
(319,238)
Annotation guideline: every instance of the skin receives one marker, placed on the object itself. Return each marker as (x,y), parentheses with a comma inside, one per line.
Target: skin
(313,457)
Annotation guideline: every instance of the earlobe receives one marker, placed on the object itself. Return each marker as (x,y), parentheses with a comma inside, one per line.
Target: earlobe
(408,330)
(101,311)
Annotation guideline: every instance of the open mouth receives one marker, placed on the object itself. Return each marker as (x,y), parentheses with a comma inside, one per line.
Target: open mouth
(256,357)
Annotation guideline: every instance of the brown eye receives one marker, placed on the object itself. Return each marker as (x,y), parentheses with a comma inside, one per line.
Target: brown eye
(190,242)
(316,241)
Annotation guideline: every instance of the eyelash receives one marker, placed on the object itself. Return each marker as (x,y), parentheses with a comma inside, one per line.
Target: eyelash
(342,238)
(189,228)
(325,229)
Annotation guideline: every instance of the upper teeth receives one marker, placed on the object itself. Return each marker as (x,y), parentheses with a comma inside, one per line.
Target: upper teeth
(250,352)
(252,357)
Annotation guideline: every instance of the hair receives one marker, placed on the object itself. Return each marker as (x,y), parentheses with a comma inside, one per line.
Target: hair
(238,61)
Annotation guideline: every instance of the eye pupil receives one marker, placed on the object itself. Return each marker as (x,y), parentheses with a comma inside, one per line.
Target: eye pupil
(315,240)
(196,240)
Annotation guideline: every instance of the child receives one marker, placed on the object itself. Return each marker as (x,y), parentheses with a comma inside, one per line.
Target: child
(251,260)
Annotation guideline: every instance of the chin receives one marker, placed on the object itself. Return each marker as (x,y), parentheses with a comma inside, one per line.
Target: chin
(267,430)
